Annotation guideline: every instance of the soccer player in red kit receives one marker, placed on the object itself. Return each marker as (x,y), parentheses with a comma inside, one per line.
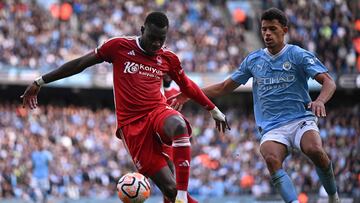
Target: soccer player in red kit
(169,91)
(145,121)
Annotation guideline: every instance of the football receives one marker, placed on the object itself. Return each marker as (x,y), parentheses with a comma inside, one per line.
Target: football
(133,188)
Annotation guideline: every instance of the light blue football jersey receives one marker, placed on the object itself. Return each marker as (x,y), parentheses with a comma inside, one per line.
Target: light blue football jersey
(40,160)
(280,88)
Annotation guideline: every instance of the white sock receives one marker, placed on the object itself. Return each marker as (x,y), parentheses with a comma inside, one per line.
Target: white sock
(334,198)
(335,195)
(181,194)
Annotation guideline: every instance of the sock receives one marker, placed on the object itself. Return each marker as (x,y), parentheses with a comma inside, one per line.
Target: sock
(284,185)
(190,199)
(182,195)
(181,156)
(327,179)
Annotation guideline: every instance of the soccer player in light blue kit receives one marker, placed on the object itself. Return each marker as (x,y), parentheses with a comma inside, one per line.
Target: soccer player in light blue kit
(284,113)
(40,158)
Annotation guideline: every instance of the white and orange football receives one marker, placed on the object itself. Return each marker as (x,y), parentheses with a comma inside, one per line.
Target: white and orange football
(133,188)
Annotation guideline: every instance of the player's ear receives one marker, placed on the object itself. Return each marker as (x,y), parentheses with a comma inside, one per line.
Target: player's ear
(285,29)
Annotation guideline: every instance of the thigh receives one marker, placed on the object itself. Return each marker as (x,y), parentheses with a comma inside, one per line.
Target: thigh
(160,117)
(275,149)
(310,139)
(307,134)
(143,146)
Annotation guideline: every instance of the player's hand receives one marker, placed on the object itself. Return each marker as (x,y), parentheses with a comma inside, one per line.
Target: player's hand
(30,96)
(318,108)
(178,100)
(220,119)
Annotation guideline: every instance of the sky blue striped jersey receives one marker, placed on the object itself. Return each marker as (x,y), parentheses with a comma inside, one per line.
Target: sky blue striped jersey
(280,88)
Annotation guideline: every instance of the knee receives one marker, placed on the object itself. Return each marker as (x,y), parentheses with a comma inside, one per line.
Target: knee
(313,150)
(272,161)
(175,125)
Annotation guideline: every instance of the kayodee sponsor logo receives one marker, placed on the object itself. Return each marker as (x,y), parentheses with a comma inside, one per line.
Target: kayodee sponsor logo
(132,68)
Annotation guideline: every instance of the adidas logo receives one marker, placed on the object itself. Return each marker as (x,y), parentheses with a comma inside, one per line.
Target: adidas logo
(131,53)
(185,163)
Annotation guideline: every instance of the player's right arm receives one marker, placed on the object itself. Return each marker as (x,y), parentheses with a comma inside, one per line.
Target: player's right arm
(105,52)
(212,91)
(222,88)
(68,69)
(240,76)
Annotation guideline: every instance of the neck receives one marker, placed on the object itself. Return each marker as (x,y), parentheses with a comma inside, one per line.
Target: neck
(275,50)
(141,43)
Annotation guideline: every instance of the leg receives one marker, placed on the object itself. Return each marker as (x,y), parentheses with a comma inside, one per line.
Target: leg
(175,129)
(311,146)
(274,154)
(165,180)
(172,169)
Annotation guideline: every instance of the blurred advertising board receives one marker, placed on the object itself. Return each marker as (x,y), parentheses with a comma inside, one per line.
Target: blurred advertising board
(349,81)
(87,79)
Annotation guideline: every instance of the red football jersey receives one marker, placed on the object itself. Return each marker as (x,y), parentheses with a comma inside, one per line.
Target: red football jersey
(137,77)
(170,91)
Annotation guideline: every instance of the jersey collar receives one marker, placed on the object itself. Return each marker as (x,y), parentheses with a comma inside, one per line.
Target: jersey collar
(138,44)
(278,54)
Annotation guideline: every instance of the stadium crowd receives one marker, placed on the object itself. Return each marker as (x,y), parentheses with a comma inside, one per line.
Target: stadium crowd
(32,37)
(204,37)
(88,159)
(327,29)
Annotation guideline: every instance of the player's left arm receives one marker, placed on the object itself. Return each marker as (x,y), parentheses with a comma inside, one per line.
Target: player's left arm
(327,90)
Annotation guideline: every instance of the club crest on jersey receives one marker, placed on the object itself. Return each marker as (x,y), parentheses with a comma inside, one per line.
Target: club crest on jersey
(286,66)
(311,61)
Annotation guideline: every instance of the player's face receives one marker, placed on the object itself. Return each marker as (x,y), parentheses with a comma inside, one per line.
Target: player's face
(273,33)
(153,38)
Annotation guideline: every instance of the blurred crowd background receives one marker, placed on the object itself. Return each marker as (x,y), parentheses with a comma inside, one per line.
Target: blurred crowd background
(32,36)
(88,159)
(329,28)
(40,34)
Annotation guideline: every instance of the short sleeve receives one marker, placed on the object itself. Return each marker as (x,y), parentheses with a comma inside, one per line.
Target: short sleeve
(176,72)
(312,65)
(242,74)
(106,50)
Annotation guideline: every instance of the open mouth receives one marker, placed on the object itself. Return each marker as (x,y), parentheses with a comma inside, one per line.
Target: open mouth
(268,40)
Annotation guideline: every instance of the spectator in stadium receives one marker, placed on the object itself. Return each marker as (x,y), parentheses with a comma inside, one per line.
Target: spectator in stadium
(142,112)
(41,159)
(284,112)
(35,37)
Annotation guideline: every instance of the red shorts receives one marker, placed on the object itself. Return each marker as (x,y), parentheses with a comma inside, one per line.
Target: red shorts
(147,143)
